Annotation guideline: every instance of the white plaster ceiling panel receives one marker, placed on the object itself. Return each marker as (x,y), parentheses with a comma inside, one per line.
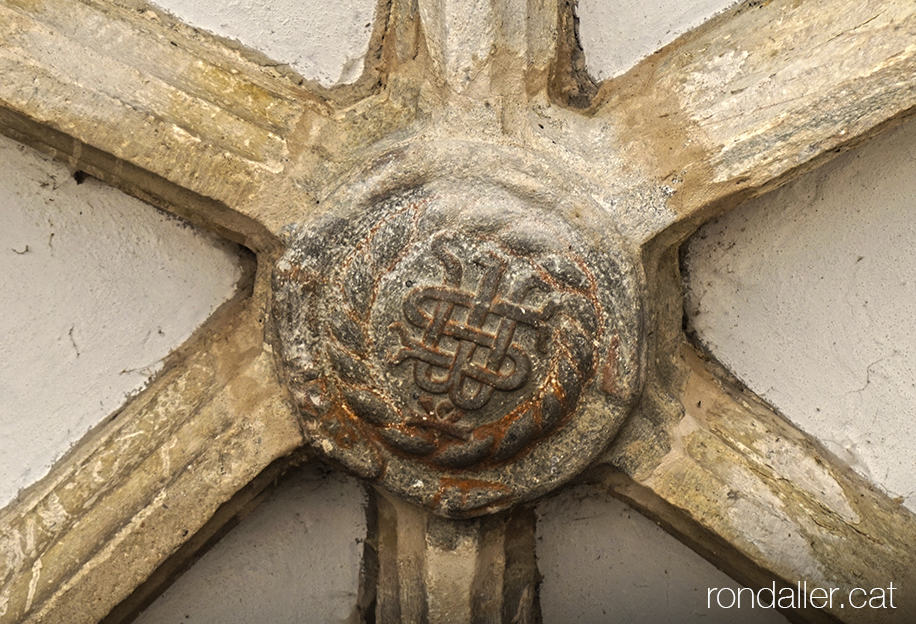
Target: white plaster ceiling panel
(808,295)
(616,35)
(96,288)
(323,41)
(294,560)
(602,561)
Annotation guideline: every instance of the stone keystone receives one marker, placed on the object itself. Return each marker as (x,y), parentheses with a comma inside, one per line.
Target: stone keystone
(463,345)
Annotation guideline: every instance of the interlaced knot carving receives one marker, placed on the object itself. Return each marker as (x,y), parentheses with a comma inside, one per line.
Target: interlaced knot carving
(461,350)
(440,370)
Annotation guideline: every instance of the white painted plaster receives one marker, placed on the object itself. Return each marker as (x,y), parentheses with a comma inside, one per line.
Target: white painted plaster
(96,288)
(116,272)
(294,560)
(808,295)
(603,562)
(616,35)
(323,41)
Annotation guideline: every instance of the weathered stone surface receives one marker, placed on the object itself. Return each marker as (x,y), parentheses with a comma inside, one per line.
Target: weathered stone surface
(434,570)
(759,94)
(733,108)
(142,89)
(761,499)
(467,347)
(84,537)
(202,129)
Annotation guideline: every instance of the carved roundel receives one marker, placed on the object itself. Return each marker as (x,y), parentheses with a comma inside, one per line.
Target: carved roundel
(485,350)
(467,357)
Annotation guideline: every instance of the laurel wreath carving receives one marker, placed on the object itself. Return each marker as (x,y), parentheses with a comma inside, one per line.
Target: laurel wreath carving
(568,338)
